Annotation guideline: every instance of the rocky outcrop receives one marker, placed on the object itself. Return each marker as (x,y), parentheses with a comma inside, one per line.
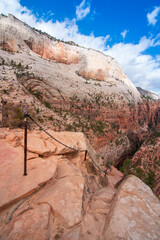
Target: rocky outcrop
(45,76)
(62,198)
(148,94)
(115,129)
(81,64)
(14,185)
(147,158)
(134,213)
(32,224)
(55,193)
(65,87)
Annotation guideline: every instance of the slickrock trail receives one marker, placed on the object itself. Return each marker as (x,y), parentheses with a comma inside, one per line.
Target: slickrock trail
(64,197)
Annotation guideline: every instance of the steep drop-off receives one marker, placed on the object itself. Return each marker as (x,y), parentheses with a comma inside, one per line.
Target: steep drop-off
(67,87)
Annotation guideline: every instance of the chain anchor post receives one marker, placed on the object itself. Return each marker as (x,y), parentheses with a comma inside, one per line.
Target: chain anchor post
(25,142)
(85,157)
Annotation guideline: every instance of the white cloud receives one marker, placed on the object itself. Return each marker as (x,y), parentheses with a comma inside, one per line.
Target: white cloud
(66,30)
(156,41)
(82,10)
(124,33)
(15,8)
(158,57)
(152,16)
(142,69)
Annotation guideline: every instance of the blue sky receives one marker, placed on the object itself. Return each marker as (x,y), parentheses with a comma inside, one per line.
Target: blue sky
(127,30)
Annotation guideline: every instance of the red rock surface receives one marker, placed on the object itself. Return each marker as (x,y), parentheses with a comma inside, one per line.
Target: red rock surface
(65,198)
(69,88)
(72,204)
(114,177)
(32,224)
(148,158)
(14,186)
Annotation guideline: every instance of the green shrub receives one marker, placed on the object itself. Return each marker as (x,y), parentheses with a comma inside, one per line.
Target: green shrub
(40,120)
(48,105)
(150,179)
(5,91)
(37,110)
(126,168)
(37,94)
(147,177)
(69,127)
(50,118)
(98,127)
(19,65)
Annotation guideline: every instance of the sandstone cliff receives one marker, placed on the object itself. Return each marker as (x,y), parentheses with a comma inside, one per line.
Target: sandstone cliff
(148,94)
(102,73)
(147,160)
(67,87)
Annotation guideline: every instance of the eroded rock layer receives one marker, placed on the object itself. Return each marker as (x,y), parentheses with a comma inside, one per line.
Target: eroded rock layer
(81,63)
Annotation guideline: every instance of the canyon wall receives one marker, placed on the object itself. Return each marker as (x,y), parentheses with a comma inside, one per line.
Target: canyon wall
(83,63)
(68,87)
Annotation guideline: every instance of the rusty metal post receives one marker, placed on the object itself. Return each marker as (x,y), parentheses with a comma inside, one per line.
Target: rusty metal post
(25,143)
(85,157)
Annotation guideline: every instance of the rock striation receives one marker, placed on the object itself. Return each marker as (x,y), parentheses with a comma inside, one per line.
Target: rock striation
(81,64)
(146,93)
(67,87)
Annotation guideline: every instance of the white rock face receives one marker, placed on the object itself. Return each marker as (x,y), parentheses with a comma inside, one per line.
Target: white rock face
(71,66)
(149,94)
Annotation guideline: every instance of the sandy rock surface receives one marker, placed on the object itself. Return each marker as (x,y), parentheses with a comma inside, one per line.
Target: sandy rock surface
(13,184)
(114,177)
(61,199)
(32,224)
(65,198)
(38,145)
(135,213)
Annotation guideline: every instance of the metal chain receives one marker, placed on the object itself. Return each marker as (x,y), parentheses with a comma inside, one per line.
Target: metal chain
(104,171)
(78,150)
(26,114)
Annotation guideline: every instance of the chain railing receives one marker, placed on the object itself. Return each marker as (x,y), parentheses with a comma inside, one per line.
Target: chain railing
(26,115)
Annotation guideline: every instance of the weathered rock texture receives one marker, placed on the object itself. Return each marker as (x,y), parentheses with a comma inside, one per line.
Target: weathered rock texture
(146,94)
(147,158)
(63,196)
(135,213)
(67,87)
(86,88)
(14,185)
(81,64)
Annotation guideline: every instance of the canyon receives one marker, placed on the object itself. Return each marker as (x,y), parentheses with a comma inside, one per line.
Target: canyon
(69,89)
